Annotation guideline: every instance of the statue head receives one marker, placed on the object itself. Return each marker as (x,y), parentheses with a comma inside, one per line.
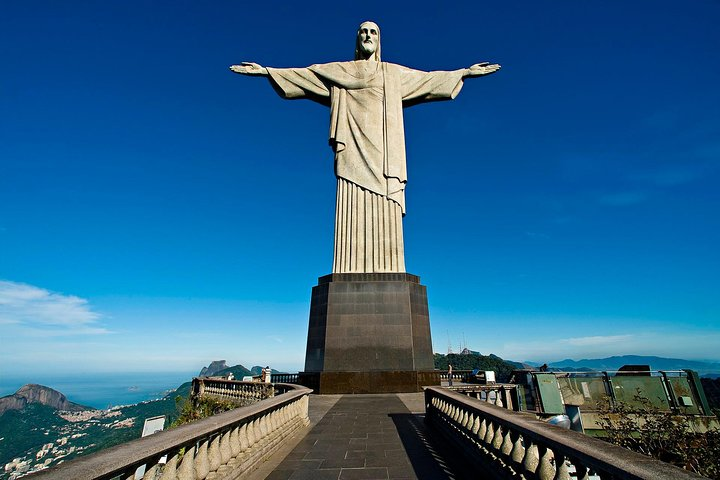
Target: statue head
(367,43)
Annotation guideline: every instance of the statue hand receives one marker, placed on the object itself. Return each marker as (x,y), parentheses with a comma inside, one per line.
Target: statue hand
(249,68)
(480,69)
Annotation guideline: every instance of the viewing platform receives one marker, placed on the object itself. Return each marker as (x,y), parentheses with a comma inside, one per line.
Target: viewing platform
(291,434)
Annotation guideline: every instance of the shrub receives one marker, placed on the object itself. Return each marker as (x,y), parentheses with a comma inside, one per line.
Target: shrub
(201,407)
(661,435)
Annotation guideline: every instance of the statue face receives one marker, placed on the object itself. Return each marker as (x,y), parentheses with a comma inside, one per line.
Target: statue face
(368,38)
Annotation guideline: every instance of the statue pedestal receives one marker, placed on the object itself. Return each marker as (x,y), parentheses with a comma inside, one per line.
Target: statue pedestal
(369,333)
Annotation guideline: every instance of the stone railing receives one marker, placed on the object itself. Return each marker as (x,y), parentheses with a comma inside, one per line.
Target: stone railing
(499,394)
(284,378)
(457,375)
(242,393)
(506,444)
(225,446)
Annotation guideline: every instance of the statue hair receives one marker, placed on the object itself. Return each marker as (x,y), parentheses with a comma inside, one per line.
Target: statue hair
(358,55)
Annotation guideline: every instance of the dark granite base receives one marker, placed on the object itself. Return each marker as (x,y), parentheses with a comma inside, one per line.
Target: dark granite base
(369,332)
(369,382)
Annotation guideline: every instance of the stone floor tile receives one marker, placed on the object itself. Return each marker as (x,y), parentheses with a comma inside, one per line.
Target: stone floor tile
(279,475)
(330,474)
(343,463)
(364,473)
(383,462)
(402,472)
(301,464)
(365,454)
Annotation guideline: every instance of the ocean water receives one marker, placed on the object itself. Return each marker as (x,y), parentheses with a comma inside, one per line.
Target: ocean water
(102,390)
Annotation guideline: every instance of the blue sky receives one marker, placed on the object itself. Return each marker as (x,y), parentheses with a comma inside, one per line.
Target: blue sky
(158,212)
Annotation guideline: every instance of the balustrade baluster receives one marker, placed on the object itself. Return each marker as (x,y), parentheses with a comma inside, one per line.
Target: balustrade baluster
(243,437)
(489,433)
(282,418)
(151,472)
(251,436)
(483,430)
(187,465)
(214,456)
(507,443)
(498,438)
(263,429)
(234,441)
(274,421)
(225,450)
(169,470)
(305,402)
(498,399)
(292,410)
(561,468)
(285,415)
(531,460)
(581,471)
(545,470)
(202,462)
(508,398)
(518,450)
(476,426)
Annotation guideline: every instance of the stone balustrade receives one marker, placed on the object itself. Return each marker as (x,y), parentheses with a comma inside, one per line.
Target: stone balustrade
(457,375)
(285,378)
(242,393)
(507,444)
(225,446)
(499,394)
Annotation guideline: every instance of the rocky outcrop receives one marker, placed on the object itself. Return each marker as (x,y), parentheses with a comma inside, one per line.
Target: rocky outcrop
(32,393)
(213,368)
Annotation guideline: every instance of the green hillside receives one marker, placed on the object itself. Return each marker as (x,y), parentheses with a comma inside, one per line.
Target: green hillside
(24,432)
(238,372)
(502,368)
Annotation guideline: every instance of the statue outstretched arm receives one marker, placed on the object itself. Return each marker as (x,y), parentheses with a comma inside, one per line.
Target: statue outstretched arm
(480,69)
(249,68)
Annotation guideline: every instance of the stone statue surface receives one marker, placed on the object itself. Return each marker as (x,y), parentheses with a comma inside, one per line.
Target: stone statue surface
(366,97)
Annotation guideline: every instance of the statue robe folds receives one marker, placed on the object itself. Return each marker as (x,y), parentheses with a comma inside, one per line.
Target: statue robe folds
(366,132)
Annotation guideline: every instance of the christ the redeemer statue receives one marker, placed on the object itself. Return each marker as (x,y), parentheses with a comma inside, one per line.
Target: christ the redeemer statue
(366,98)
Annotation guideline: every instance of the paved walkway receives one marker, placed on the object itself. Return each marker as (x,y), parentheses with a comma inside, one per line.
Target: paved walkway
(364,437)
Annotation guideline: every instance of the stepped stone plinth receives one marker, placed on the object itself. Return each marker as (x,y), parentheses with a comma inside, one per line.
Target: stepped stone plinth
(369,333)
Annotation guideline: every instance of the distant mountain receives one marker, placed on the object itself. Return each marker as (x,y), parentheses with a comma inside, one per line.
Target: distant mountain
(213,369)
(656,363)
(220,368)
(257,370)
(238,372)
(32,393)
